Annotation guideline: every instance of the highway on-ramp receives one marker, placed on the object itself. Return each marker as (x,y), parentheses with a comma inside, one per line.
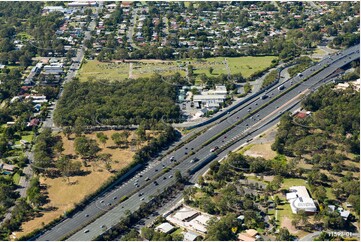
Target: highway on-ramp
(240,130)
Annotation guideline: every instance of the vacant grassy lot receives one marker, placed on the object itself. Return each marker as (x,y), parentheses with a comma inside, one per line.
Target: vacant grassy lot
(113,71)
(247,65)
(96,70)
(261,150)
(64,194)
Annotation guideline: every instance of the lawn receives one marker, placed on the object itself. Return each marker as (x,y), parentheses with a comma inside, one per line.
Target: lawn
(63,195)
(28,137)
(289,182)
(16,178)
(96,70)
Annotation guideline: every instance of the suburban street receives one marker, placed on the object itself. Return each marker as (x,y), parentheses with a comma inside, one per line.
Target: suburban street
(74,67)
(243,124)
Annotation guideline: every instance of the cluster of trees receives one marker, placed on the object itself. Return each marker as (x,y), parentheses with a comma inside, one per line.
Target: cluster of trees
(118,103)
(302,64)
(20,213)
(152,235)
(46,147)
(7,194)
(335,112)
(270,78)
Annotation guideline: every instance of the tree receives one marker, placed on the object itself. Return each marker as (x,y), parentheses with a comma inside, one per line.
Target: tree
(102,138)
(117,138)
(178,176)
(67,132)
(210,70)
(284,235)
(67,167)
(221,230)
(320,193)
(86,147)
(106,158)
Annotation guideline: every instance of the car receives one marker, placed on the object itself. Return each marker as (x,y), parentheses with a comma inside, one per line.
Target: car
(140,175)
(86,215)
(195,159)
(214,149)
(155,170)
(140,194)
(137,185)
(155,183)
(171,158)
(136,181)
(142,199)
(109,204)
(164,178)
(102,201)
(186,153)
(86,231)
(147,179)
(103,226)
(186,148)
(115,197)
(170,176)
(163,165)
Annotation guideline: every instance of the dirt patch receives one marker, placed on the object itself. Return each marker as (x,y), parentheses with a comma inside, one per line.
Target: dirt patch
(261,150)
(287,223)
(63,194)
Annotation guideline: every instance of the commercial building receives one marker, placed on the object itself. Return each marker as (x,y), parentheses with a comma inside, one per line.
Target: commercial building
(209,100)
(300,199)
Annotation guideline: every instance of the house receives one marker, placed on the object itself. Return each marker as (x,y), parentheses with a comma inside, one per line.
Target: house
(185,214)
(300,199)
(53,68)
(33,122)
(345,214)
(7,167)
(165,228)
(248,235)
(82,4)
(190,236)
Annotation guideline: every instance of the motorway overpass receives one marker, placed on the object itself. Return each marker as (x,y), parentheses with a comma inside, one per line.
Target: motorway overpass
(244,123)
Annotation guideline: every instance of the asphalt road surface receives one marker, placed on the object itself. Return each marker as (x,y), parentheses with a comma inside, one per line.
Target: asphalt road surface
(244,131)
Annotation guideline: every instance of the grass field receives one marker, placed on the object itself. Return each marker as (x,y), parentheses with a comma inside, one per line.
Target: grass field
(63,195)
(96,70)
(113,71)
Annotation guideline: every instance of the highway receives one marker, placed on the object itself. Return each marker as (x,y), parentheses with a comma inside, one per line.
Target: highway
(253,126)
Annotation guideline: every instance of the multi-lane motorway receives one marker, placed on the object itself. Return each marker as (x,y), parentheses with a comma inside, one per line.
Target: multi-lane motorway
(247,121)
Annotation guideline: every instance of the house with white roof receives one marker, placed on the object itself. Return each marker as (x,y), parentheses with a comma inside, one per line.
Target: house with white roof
(165,228)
